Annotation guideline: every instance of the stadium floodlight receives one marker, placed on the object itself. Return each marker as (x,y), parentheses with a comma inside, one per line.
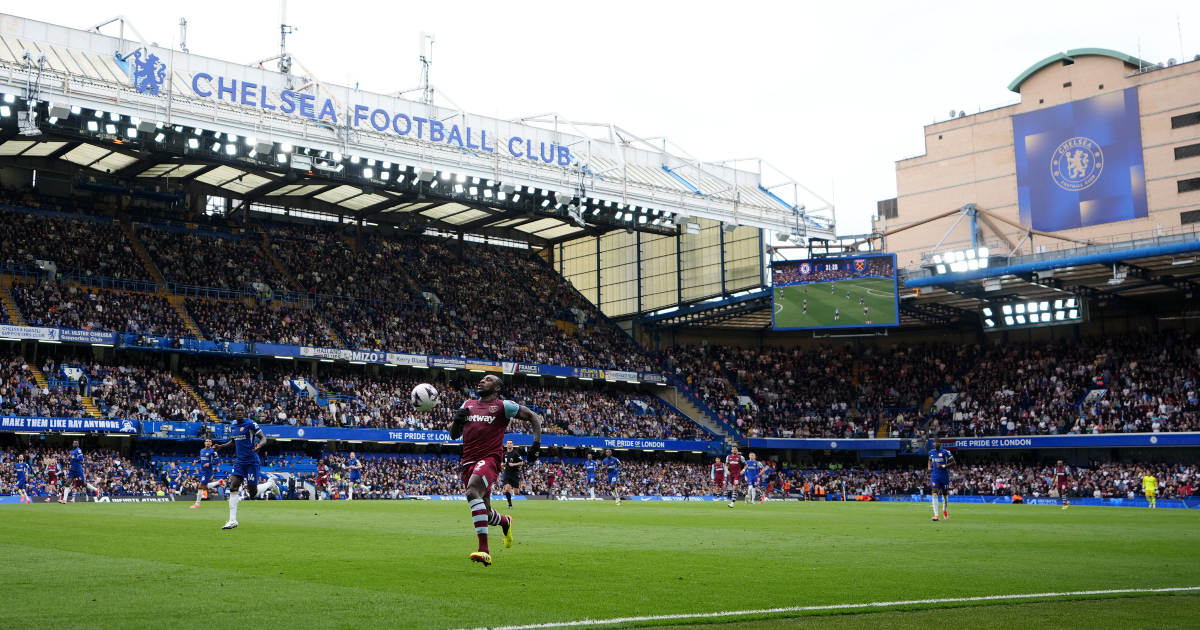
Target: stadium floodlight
(385,175)
(131,132)
(458,189)
(285,148)
(1009,320)
(989,323)
(474,191)
(115,117)
(160,137)
(1033,313)
(110,129)
(92,126)
(216,146)
(231,148)
(354,159)
(370,162)
(959,261)
(97,113)
(281,158)
(987,311)
(76,110)
(6,111)
(192,143)
(368,173)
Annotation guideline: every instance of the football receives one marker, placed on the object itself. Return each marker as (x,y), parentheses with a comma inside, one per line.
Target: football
(424,397)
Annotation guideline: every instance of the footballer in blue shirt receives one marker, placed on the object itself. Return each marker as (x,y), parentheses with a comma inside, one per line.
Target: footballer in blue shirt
(22,469)
(208,466)
(940,461)
(590,467)
(246,463)
(76,475)
(753,474)
(355,474)
(613,466)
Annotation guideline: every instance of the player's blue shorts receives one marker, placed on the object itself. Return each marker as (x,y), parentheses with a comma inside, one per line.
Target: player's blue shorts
(355,475)
(246,470)
(76,473)
(939,481)
(20,484)
(591,480)
(751,480)
(206,477)
(612,477)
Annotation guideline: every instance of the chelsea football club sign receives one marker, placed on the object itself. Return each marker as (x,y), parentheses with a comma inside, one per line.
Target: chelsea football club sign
(1080,163)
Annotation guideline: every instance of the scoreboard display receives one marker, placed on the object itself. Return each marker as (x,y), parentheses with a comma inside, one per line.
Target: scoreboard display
(849,292)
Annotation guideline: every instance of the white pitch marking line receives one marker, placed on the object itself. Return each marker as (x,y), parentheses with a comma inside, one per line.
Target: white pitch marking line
(768,611)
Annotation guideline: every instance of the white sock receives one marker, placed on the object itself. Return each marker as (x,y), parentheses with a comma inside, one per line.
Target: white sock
(592,492)
(263,487)
(67,494)
(92,488)
(350,496)
(233,501)
(934,498)
(213,485)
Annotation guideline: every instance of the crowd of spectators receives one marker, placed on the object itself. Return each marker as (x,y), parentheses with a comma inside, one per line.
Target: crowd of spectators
(197,259)
(413,328)
(1114,384)
(106,469)
(1110,480)
(267,393)
(516,309)
(330,265)
(76,246)
(602,413)
(136,389)
(395,476)
(821,392)
(222,320)
(61,305)
(825,271)
(20,394)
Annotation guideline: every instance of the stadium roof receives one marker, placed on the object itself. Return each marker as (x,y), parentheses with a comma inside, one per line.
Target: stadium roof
(616,178)
(1070,56)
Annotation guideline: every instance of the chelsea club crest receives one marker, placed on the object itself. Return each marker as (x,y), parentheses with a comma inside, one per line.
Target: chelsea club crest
(805,269)
(1076,164)
(148,75)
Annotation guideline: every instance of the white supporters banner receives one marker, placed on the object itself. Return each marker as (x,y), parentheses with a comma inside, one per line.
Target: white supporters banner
(28,332)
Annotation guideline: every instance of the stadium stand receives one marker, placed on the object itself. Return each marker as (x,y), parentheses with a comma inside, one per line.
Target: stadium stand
(69,306)
(24,391)
(200,259)
(224,320)
(82,246)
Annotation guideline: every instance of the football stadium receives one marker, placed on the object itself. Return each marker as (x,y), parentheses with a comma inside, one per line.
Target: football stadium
(276,350)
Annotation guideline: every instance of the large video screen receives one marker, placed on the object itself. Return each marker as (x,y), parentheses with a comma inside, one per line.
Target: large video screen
(851,292)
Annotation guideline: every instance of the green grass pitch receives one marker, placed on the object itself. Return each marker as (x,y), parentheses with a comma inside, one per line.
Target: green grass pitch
(403,564)
(879,293)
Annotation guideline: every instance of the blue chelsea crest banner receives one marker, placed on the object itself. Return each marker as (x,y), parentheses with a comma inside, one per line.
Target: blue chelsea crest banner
(1080,163)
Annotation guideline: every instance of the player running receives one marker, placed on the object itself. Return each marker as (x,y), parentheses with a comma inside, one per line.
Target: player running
(75,474)
(1150,486)
(590,467)
(753,476)
(1062,479)
(481,424)
(613,466)
(513,461)
(847,295)
(940,460)
(355,474)
(22,469)
(246,463)
(208,464)
(733,463)
(837,314)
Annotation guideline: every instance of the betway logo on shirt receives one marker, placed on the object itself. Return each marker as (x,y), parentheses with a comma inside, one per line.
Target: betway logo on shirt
(487,419)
